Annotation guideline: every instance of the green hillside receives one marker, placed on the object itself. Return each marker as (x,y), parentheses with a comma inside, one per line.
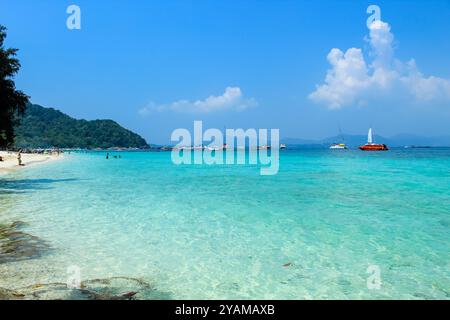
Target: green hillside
(46,127)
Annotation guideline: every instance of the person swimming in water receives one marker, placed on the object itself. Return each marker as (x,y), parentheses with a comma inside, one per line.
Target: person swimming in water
(107,156)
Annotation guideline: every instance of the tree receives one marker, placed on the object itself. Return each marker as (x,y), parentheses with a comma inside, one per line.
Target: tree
(12,102)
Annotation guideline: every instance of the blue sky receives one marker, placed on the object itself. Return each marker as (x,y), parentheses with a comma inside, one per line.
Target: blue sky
(155,66)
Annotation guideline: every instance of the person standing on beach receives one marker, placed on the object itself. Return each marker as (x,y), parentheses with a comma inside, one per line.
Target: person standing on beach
(19,158)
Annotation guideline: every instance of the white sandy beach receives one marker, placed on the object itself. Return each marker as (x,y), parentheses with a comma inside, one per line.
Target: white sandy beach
(10,162)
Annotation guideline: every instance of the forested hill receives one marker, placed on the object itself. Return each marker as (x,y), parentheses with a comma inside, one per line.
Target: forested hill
(46,127)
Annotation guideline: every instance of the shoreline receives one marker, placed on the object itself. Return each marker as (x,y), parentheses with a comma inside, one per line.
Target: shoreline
(10,162)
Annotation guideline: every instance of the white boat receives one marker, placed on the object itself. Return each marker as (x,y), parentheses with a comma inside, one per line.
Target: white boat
(338,146)
(213,148)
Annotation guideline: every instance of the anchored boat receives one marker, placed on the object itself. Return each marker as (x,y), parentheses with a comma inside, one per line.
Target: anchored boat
(338,146)
(370,146)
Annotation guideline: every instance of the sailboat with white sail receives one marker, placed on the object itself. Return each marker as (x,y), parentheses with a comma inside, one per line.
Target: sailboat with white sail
(371,146)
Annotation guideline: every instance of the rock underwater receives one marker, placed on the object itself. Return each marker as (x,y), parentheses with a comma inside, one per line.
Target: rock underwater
(16,245)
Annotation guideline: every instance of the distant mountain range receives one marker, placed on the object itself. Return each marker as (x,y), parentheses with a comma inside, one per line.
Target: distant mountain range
(399,140)
(46,128)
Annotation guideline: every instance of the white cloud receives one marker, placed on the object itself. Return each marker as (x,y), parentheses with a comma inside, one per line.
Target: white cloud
(351,80)
(232,99)
(145,111)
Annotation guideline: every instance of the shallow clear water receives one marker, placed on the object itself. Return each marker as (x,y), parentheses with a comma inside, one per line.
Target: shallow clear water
(225,232)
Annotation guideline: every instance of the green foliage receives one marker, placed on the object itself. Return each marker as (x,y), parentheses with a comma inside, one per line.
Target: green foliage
(12,101)
(37,127)
(47,127)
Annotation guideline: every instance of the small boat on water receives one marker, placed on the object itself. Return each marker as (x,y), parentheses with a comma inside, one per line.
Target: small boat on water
(370,146)
(282,146)
(338,146)
(417,147)
(213,148)
(341,145)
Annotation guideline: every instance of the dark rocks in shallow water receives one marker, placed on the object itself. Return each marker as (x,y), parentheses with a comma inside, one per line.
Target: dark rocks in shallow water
(125,296)
(18,224)
(444,223)
(17,245)
(116,288)
(6,294)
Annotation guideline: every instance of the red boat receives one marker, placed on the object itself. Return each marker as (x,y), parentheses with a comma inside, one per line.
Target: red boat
(374,147)
(370,146)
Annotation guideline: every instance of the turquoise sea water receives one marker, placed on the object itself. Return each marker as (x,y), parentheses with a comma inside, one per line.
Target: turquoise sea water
(226,232)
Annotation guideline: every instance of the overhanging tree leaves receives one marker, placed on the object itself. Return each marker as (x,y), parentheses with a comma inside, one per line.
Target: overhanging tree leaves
(12,102)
